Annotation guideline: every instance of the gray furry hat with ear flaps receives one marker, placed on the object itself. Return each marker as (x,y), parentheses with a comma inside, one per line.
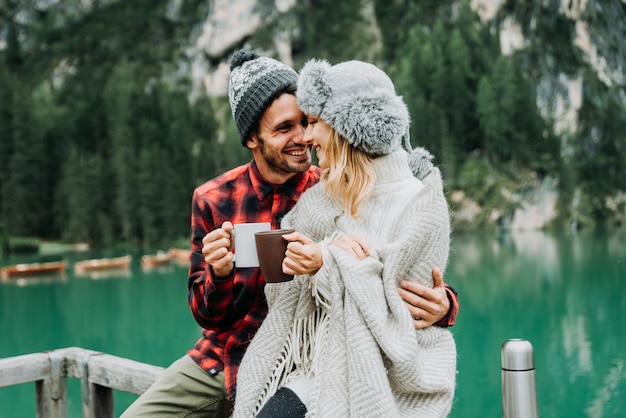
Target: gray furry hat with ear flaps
(360,102)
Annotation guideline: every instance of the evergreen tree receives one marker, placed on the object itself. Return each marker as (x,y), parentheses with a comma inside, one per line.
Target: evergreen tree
(602,152)
(462,85)
(488,114)
(73,195)
(502,146)
(204,146)
(6,143)
(83,203)
(459,109)
(418,62)
(47,118)
(346,32)
(13,54)
(119,99)
(176,180)
(440,99)
(151,176)
(536,146)
(398,17)
(24,186)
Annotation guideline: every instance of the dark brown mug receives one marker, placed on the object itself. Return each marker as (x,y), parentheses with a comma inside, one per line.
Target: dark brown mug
(270,248)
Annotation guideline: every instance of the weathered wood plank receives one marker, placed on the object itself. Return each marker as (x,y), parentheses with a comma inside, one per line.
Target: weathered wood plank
(122,374)
(24,369)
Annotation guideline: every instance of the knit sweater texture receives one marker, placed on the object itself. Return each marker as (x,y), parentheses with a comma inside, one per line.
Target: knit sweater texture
(371,361)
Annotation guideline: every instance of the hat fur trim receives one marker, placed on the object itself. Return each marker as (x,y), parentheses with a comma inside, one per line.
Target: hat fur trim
(372,122)
(313,87)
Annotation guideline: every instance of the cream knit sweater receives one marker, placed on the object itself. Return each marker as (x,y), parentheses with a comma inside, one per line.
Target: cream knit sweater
(359,341)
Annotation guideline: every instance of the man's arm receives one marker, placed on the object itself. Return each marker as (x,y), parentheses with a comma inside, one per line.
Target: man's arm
(437,306)
(210,293)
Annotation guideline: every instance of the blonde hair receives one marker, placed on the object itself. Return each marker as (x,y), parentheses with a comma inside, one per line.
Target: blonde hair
(349,179)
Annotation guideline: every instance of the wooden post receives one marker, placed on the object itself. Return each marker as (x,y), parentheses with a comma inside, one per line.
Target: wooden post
(101,398)
(51,392)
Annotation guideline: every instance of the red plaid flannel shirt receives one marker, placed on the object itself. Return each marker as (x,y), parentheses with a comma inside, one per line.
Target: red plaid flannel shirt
(230,311)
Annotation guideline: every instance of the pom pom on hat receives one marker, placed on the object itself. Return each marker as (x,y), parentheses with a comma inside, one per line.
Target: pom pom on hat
(420,162)
(241,56)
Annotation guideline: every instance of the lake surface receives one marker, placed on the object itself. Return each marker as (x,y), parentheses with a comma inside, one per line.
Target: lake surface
(564,293)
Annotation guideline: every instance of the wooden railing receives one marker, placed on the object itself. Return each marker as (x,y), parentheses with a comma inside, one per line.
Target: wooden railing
(99,373)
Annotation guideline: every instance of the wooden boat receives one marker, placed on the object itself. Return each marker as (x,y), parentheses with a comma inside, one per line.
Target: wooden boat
(118,273)
(150,261)
(100,264)
(181,256)
(31,269)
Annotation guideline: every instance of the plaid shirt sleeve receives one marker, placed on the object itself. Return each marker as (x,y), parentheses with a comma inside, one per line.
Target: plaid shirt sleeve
(450,318)
(209,298)
(218,304)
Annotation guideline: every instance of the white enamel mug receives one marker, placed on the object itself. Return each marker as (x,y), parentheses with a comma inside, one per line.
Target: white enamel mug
(245,245)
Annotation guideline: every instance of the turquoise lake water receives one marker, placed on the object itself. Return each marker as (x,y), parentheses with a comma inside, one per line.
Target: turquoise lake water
(564,293)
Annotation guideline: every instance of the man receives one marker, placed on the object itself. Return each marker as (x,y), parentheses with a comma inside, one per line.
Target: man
(228,302)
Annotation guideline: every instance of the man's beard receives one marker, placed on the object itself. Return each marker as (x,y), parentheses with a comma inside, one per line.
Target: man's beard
(278,162)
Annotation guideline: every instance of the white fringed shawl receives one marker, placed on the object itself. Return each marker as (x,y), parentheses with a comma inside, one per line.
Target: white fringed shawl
(373,362)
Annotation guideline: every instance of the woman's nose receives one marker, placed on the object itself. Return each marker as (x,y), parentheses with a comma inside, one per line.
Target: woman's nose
(307,136)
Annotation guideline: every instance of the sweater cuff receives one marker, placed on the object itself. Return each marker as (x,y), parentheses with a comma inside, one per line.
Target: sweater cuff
(450,318)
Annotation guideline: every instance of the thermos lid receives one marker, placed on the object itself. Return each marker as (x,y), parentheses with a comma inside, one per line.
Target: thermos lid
(517,355)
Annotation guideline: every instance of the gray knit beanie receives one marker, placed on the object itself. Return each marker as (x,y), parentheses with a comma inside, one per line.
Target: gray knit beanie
(360,102)
(255,81)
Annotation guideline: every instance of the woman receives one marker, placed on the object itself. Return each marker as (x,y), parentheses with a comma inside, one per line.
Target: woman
(338,341)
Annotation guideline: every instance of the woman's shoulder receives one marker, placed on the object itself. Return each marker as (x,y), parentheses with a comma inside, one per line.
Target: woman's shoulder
(433,179)
(430,199)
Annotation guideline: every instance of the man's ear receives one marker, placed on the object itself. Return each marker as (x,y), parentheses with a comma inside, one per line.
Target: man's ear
(253,141)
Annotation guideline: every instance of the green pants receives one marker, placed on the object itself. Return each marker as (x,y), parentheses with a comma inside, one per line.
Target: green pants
(183,390)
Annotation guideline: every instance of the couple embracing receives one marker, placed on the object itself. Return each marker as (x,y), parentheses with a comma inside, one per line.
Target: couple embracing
(362,328)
